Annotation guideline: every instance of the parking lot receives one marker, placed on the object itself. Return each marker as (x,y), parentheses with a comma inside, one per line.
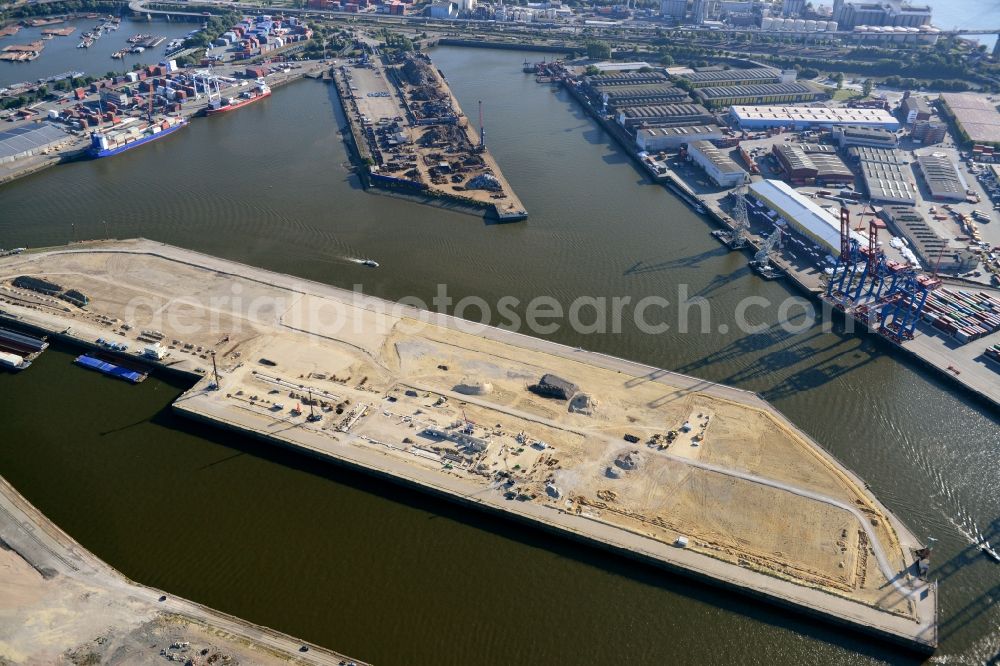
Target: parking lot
(373,94)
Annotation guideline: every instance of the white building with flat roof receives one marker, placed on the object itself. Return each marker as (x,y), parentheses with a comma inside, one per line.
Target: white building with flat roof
(719,166)
(804,117)
(803,214)
(655,139)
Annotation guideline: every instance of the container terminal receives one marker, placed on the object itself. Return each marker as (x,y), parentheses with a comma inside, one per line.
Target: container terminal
(697,478)
(905,261)
(410,135)
(259,92)
(127,111)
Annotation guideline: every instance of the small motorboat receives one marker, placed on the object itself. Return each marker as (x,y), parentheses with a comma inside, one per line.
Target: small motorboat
(371,263)
(990,553)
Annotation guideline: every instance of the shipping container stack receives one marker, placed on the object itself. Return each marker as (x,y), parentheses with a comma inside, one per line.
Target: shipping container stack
(993,353)
(982,153)
(965,315)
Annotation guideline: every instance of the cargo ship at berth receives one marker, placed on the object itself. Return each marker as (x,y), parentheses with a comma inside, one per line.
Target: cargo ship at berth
(118,140)
(259,92)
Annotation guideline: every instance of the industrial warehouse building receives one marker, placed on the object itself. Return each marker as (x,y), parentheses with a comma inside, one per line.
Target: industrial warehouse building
(626,79)
(929,246)
(625,89)
(31,140)
(812,164)
(738,77)
(631,117)
(929,132)
(885,175)
(802,214)
(112,96)
(976,118)
(854,13)
(655,139)
(806,117)
(942,177)
(765,93)
(651,95)
(719,166)
(913,109)
(850,135)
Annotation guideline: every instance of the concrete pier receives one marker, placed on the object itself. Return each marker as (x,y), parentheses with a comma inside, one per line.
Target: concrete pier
(410,136)
(700,479)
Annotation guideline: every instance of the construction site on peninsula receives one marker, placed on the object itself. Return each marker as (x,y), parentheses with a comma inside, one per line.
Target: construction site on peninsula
(693,476)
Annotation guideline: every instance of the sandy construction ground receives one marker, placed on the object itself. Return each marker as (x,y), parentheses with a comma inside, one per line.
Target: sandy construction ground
(651,453)
(61,605)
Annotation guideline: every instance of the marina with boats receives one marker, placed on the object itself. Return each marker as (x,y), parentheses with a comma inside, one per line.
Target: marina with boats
(53,40)
(110,24)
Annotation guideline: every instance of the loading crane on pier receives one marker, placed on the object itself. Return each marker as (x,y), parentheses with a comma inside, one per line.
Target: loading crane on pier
(736,238)
(887,296)
(482,130)
(761,262)
(847,263)
(210,86)
(905,306)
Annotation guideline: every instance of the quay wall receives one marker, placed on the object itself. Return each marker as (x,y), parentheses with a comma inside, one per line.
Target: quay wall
(580,529)
(419,192)
(504,46)
(622,541)
(811,291)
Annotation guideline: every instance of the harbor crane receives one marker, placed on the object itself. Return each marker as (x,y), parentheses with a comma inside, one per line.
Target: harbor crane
(887,296)
(482,130)
(210,86)
(736,238)
(761,262)
(739,236)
